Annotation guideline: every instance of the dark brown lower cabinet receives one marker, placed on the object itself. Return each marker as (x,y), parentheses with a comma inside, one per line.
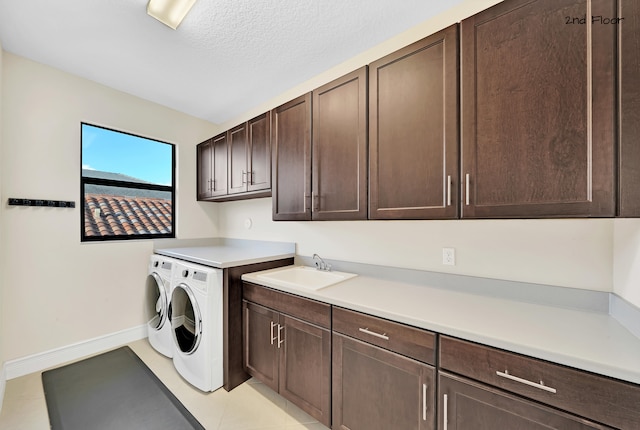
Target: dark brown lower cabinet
(260,353)
(595,397)
(354,371)
(291,356)
(234,373)
(468,405)
(376,389)
(305,367)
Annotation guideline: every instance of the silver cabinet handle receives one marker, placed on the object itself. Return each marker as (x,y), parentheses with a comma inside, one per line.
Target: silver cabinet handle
(244,177)
(540,385)
(445,420)
(448,190)
(315,202)
(372,333)
(280,341)
(304,204)
(272,335)
(424,402)
(466,187)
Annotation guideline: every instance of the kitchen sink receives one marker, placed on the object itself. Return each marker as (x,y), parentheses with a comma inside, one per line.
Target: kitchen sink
(305,277)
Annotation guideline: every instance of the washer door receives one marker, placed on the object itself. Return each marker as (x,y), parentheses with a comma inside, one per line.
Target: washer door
(155,302)
(186,320)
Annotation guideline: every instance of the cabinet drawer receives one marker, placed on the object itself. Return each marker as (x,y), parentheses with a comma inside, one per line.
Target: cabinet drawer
(305,309)
(599,398)
(410,341)
(468,405)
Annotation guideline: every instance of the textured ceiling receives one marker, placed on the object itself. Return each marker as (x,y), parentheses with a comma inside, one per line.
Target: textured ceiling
(225,58)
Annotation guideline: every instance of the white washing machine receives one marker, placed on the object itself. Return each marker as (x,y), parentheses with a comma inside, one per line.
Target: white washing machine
(157,303)
(196,324)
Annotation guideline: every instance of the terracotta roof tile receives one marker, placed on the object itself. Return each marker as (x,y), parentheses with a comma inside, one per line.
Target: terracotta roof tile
(119,215)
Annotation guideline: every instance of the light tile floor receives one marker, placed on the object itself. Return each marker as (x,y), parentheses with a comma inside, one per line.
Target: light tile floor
(251,406)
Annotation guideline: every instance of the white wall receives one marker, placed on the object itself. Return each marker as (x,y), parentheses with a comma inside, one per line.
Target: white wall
(626,266)
(571,253)
(59,291)
(2,338)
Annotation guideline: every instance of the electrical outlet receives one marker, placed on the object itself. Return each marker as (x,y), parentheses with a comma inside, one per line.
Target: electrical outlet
(449,256)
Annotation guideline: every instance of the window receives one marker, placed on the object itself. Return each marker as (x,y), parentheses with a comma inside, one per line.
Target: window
(127,186)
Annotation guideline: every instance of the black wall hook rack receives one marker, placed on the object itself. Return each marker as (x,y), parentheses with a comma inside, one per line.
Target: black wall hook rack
(41,202)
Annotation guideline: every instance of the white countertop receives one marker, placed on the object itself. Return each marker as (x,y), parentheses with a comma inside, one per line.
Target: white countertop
(586,340)
(225,253)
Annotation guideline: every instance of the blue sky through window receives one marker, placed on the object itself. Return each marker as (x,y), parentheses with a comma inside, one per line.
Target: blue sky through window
(111,151)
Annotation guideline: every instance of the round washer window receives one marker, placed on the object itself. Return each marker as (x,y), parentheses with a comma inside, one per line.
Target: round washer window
(186,321)
(155,302)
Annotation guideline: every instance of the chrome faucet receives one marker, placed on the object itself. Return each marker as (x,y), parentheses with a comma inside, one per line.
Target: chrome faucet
(320,264)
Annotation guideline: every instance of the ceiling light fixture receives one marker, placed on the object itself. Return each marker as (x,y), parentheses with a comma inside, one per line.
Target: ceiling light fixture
(169,12)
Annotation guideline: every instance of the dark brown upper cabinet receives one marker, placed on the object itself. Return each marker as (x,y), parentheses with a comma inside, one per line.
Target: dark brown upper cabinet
(629,118)
(250,156)
(339,156)
(259,149)
(212,167)
(237,163)
(538,110)
(291,139)
(204,169)
(414,131)
(238,156)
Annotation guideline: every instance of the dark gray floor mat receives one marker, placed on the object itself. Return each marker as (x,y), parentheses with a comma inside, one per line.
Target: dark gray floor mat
(112,391)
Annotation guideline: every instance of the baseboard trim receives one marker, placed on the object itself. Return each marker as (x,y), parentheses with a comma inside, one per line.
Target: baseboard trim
(3,383)
(55,357)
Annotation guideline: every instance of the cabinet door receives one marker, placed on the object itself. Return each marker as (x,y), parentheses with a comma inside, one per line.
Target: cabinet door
(305,367)
(466,405)
(340,148)
(237,162)
(205,169)
(259,129)
(260,334)
(291,138)
(375,389)
(538,108)
(629,156)
(219,165)
(413,130)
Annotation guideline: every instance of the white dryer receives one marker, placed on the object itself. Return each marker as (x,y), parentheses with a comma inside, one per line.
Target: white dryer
(196,324)
(157,303)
